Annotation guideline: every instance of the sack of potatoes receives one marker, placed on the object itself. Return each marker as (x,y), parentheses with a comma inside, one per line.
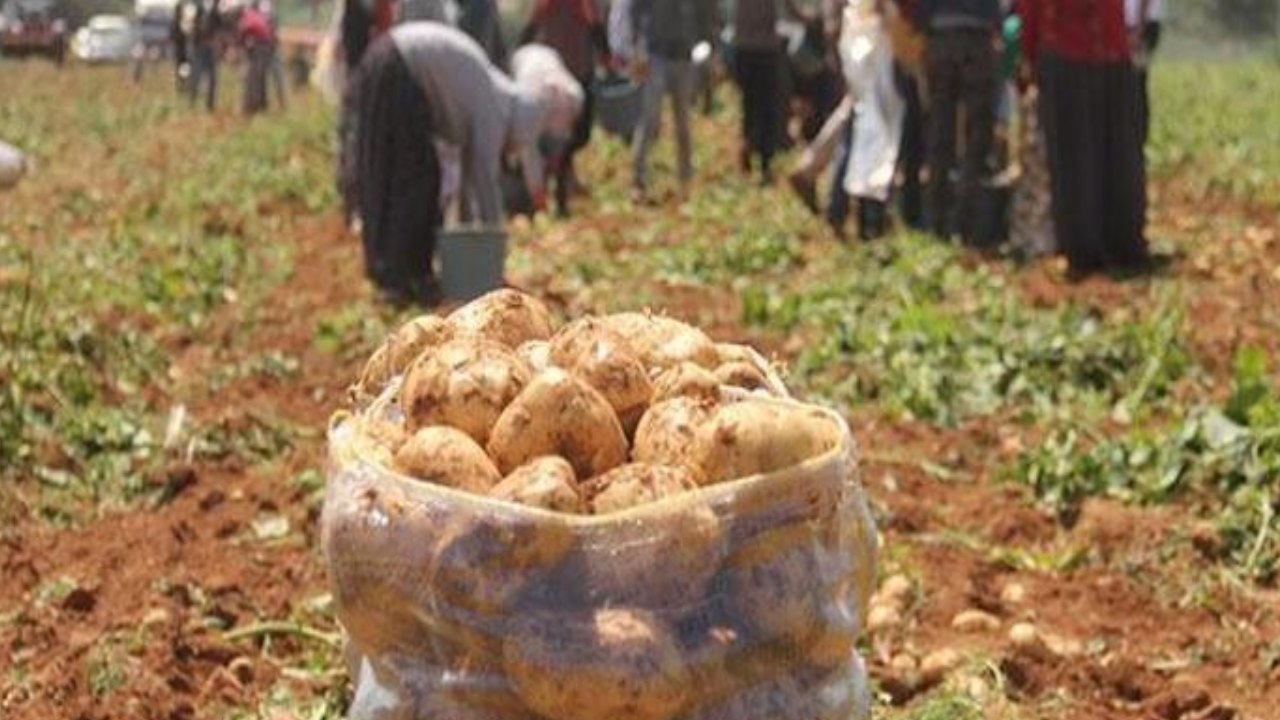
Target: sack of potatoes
(613,519)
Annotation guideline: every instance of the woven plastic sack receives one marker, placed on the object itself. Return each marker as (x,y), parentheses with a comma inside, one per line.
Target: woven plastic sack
(741,601)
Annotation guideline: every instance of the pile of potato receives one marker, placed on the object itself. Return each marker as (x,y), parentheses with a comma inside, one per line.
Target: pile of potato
(602,415)
(725,606)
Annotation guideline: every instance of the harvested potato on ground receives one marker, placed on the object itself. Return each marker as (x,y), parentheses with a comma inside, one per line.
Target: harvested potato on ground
(774,586)
(547,483)
(753,437)
(663,342)
(447,456)
(667,432)
(741,374)
(401,349)
(686,380)
(637,484)
(537,354)
(613,664)
(465,383)
(559,414)
(507,317)
(686,543)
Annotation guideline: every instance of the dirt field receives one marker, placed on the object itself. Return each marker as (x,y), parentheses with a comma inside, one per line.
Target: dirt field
(182,579)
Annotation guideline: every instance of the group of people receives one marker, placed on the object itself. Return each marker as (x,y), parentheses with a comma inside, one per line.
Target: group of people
(905,101)
(203,30)
(932,89)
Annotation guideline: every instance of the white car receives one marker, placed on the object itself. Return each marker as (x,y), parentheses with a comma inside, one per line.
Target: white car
(104,39)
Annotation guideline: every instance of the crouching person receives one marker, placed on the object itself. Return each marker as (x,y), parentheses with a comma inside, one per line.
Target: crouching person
(539,70)
(419,84)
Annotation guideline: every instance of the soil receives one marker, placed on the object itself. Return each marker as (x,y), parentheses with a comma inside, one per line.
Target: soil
(1130,626)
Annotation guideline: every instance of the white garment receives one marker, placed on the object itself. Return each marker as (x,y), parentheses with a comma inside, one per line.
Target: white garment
(622,33)
(539,70)
(1132,8)
(867,60)
(12,165)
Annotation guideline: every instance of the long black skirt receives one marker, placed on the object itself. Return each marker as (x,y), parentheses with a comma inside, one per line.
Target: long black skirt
(397,174)
(1093,138)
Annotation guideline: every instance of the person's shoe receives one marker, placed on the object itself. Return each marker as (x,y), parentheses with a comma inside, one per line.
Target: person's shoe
(806,189)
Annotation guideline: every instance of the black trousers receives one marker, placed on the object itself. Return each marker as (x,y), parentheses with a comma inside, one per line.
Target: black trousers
(760,77)
(397,174)
(961,68)
(1150,41)
(1097,171)
(911,151)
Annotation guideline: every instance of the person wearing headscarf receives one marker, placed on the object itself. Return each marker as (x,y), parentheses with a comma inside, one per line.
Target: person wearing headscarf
(420,85)
(538,67)
(575,30)
(1078,52)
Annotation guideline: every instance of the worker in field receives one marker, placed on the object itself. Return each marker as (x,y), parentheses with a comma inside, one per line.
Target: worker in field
(576,32)
(664,33)
(480,20)
(257,39)
(962,80)
(1079,55)
(539,66)
(419,86)
(204,22)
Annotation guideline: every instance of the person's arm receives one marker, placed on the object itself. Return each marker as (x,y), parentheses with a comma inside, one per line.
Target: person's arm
(533,170)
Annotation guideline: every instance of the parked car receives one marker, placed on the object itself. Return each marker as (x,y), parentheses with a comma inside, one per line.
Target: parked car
(33,27)
(104,39)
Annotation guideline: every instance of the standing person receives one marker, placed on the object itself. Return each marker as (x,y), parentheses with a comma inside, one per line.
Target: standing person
(357,25)
(419,84)
(206,26)
(757,59)
(275,60)
(960,70)
(665,32)
(575,31)
(480,20)
(1143,18)
(1080,55)
(255,37)
(180,32)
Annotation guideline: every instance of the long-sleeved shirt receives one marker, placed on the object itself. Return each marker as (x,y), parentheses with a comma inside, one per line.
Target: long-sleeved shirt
(539,69)
(574,29)
(1080,30)
(474,106)
(941,14)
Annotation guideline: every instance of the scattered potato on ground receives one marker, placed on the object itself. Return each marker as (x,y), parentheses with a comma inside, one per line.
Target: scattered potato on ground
(447,456)
(686,380)
(547,483)
(637,484)
(466,384)
(611,664)
(667,433)
(558,414)
(505,316)
(752,437)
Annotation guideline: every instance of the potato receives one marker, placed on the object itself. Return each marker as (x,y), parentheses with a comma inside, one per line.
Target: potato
(547,483)
(637,484)
(399,351)
(610,664)
(663,342)
(482,565)
(573,340)
(741,374)
(504,316)
(380,439)
(774,586)
(686,542)
(537,354)
(558,414)
(734,353)
(667,432)
(449,457)
(754,437)
(465,383)
(686,380)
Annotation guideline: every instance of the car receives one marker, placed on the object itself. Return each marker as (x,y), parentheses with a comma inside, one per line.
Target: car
(104,39)
(33,27)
